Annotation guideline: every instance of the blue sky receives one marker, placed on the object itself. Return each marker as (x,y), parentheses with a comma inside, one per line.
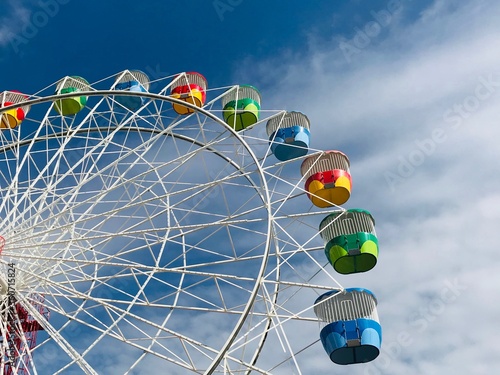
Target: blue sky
(408,89)
(213,37)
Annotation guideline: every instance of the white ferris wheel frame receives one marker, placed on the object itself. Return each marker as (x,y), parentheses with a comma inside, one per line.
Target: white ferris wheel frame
(266,201)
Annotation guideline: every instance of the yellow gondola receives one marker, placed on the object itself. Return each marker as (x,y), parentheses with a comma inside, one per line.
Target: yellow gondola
(328,180)
(189,87)
(13,117)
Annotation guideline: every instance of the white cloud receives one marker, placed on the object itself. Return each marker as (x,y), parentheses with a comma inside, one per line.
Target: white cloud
(435,225)
(13,20)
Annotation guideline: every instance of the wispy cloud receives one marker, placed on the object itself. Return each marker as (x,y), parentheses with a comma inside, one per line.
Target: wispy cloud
(434,224)
(437,270)
(23,19)
(16,15)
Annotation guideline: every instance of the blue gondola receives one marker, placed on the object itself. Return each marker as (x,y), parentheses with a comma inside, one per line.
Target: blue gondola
(134,81)
(351,330)
(289,135)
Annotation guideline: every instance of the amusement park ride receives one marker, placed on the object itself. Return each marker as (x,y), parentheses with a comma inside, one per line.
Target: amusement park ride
(167,222)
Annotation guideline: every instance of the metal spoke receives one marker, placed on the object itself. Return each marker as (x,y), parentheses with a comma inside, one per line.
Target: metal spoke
(154,236)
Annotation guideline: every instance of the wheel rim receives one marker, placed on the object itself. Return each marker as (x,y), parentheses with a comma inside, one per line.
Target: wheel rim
(73,190)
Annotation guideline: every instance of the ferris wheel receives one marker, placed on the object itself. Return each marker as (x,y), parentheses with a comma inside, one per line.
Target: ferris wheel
(166,225)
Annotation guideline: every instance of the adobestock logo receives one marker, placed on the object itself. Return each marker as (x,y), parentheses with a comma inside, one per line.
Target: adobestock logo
(38,19)
(419,321)
(455,115)
(372,29)
(416,157)
(223,6)
(483,91)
